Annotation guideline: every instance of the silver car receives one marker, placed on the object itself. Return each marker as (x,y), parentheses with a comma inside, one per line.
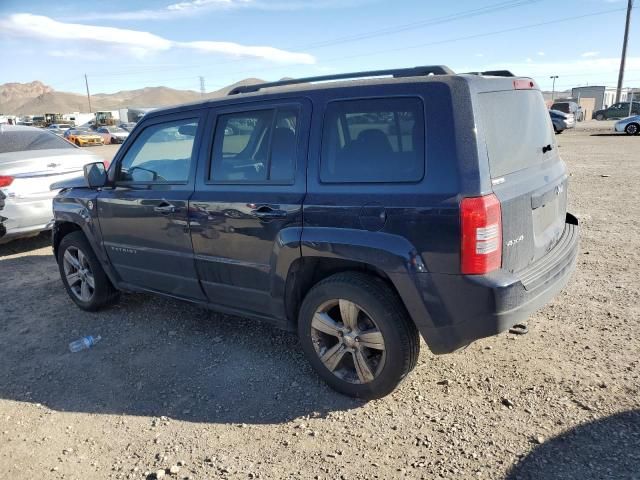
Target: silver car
(59,128)
(629,125)
(31,159)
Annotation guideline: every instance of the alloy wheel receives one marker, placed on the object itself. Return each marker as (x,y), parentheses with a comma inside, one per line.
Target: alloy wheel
(348,341)
(78,274)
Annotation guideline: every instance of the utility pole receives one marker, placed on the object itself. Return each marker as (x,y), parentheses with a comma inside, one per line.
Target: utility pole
(201,86)
(623,59)
(553,88)
(86,82)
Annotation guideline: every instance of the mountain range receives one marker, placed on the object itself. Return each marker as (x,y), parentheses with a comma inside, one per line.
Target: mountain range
(36,98)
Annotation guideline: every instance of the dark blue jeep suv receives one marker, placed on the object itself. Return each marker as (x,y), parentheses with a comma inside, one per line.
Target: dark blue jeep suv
(362,212)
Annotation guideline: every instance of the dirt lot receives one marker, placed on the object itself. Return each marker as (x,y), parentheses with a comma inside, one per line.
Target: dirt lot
(221,397)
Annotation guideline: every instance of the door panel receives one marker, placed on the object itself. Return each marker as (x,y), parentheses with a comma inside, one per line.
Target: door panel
(247,207)
(144,219)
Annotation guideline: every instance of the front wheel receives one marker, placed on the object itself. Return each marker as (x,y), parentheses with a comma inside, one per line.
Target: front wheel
(82,275)
(599,116)
(357,335)
(632,129)
(78,143)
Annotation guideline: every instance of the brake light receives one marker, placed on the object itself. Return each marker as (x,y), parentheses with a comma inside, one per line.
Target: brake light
(5,180)
(481,228)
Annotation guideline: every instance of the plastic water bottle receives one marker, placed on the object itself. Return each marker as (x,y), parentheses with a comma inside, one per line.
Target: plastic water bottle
(84,343)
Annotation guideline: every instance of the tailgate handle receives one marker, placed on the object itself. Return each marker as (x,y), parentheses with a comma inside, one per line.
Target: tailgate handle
(542,199)
(547,148)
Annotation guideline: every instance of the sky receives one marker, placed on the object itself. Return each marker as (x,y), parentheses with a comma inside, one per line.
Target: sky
(128,44)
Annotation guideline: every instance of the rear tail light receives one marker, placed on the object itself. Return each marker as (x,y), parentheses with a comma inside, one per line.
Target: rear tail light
(524,84)
(481,242)
(5,180)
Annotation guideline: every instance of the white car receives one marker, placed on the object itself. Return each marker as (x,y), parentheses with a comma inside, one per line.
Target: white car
(59,128)
(31,159)
(112,134)
(629,125)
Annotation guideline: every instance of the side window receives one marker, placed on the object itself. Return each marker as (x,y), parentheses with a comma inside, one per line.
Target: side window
(162,153)
(378,140)
(256,146)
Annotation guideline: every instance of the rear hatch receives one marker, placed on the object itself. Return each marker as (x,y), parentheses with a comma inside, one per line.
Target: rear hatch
(527,174)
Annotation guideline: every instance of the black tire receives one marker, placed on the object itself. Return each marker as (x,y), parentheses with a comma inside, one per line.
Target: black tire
(558,132)
(78,143)
(379,303)
(632,129)
(104,293)
(600,116)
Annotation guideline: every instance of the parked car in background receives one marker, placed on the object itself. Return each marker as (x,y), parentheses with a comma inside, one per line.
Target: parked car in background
(617,110)
(630,125)
(128,126)
(561,121)
(569,107)
(309,213)
(112,134)
(59,128)
(31,159)
(83,138)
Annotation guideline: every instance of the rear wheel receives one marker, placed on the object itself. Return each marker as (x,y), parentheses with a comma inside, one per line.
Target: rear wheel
(632,129)
(357,335)
(82,275)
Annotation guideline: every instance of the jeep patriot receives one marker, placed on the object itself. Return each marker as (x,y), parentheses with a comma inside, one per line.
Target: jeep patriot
(361,210)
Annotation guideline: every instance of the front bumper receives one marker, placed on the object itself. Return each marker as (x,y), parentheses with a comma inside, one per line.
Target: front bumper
(464,308)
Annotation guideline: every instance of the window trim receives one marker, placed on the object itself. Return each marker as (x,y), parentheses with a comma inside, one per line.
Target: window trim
(256,107)
(422,110)
(153,123)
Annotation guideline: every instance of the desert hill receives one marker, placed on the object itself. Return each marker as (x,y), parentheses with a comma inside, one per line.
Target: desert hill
(36,98)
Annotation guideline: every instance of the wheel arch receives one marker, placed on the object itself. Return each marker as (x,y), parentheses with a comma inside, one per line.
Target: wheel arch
(60,230)
(325,252)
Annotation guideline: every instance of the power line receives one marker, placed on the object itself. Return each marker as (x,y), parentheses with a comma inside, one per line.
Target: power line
(377,33)
(438,42)
(623,57)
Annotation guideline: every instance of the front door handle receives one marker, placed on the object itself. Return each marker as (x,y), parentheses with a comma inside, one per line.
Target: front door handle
(266,212)
(165,208)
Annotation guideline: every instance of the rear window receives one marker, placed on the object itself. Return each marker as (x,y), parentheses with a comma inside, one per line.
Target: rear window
(377,140)
(20,141)
(563,107)
(516,125)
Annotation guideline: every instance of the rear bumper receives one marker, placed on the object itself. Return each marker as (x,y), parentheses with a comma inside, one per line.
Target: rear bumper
(23,217)
(466,308)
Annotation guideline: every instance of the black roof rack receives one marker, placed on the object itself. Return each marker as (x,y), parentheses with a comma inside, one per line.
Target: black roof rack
(396,73)
(494,73)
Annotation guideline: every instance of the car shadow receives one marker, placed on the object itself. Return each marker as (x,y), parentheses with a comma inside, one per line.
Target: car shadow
(621,134)
(157,357)
(608,448)
(22,245)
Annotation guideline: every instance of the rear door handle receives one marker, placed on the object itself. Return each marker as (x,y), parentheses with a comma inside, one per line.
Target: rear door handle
(165,208)
(267,212)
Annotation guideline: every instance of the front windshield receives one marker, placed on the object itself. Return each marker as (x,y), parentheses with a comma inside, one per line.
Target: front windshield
(116,130)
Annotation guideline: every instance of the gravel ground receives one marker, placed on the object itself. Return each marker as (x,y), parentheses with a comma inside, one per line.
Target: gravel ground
(213,396)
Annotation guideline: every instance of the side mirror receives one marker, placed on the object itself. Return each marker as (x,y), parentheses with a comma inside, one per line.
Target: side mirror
(95,174)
